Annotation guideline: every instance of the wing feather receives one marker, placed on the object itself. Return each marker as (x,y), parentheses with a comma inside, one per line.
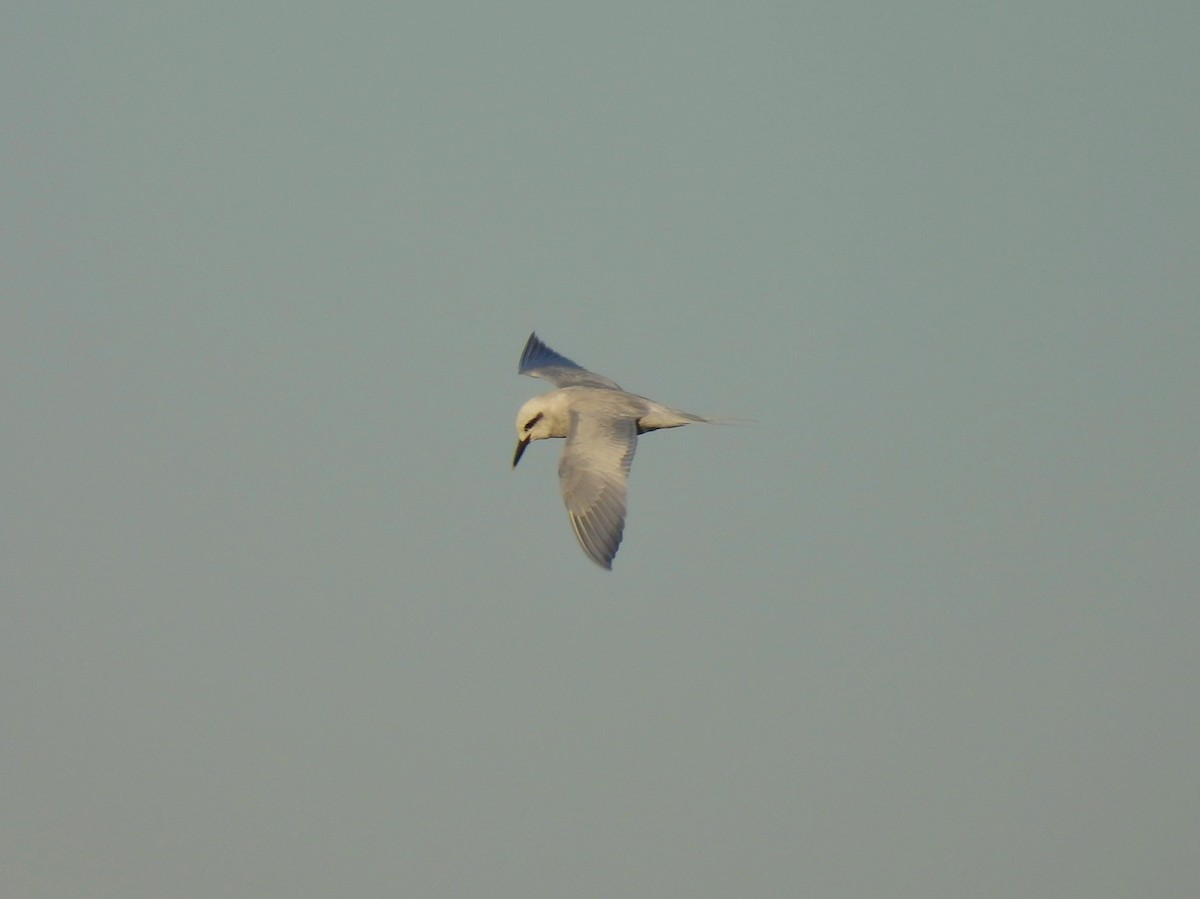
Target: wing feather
(539,361)
(593,473)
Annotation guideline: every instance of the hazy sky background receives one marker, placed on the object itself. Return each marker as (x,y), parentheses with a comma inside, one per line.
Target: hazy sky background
(278,619)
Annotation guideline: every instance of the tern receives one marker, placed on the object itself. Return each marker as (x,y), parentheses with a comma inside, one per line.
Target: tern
(601,423)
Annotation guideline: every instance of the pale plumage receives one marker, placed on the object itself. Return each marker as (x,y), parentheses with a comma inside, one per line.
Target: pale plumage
(601,423)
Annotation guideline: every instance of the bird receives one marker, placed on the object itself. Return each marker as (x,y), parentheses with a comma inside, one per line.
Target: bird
(601,423)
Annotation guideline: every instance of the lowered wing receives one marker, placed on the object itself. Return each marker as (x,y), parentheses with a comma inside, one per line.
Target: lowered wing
(592,474)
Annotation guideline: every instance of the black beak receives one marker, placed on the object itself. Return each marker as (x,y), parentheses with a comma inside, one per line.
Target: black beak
(520,449)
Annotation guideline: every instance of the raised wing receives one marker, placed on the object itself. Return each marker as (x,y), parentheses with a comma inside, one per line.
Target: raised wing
(592,474)
(539,361)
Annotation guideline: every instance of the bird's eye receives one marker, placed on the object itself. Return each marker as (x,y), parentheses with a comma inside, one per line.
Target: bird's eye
(529,424)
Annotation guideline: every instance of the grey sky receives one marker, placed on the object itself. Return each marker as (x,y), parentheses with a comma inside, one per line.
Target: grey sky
(279,621)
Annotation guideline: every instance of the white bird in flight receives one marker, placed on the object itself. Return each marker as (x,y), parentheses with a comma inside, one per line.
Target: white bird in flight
(601,423)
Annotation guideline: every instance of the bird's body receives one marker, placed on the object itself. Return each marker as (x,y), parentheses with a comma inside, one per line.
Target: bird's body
(601,423)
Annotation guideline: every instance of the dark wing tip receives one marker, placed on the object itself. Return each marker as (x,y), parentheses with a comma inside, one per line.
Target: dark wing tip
(539,361)
(533,347)
(601,556)
(599,532)
(537,355)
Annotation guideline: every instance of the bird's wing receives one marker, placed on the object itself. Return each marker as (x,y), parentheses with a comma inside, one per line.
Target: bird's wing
(539,361)
(592,474)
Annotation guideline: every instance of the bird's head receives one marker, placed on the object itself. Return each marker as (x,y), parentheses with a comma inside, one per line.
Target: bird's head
(537,420)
